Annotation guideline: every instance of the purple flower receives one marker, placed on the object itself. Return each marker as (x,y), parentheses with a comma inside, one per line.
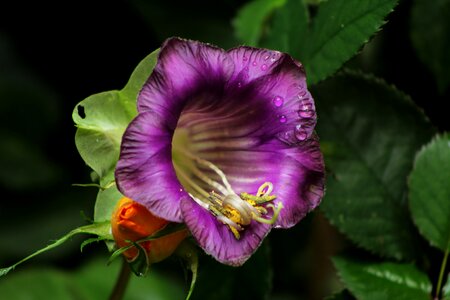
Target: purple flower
(224,142)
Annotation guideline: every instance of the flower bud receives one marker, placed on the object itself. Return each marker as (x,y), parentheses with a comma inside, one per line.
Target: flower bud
(131,221)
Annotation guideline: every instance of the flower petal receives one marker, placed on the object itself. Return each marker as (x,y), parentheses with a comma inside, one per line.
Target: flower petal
(145,172)
(301,182)
(183,69)
(217,239)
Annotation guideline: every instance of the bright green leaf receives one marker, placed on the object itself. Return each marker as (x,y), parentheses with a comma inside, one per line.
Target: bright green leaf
(429,192)
(107,199)
(339,30)
(250,19)
(289,30)
(383,281)
(370,132)
(430,34)
(140,76)
(102,118)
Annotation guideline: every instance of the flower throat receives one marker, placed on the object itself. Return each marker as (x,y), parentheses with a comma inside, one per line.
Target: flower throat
(218,197)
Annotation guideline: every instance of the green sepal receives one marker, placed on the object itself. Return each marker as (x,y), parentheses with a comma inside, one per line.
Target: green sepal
(90,241)
(188,252)
(102,230)
(169,229)
(140,264)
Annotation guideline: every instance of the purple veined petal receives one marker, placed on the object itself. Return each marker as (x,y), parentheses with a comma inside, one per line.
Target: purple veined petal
(184,68)
(145,172)
(247,113)
(253,63)
(301,185)
(217,240)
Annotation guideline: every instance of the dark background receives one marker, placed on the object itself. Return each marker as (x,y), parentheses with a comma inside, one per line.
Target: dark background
(54,55)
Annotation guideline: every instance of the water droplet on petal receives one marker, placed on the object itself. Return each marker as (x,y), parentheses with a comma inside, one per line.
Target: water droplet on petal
(300,133)
(266,57)
(254,63)
(239,84)
(306,113)
(306,110)
(282,119)
(264,67)
(278,101)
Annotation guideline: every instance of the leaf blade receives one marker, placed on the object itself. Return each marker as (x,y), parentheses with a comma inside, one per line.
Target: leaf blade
(383,280)
(250,19)
(340,28)
(289,32)
(369,149)
(429,192)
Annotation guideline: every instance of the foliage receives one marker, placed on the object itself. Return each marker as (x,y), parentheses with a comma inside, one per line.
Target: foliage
(388,165)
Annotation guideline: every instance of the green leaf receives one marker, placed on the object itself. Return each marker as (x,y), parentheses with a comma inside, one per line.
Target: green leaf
(102,118)
(140,76)
(251,281)
(289,31)
(339,30)
(250,19)
(429,192)
(102,230)
(107,199)
(370,133)
(383,281)
(430,34)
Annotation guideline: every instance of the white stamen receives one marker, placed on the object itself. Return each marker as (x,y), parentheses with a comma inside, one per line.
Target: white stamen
(227,221)
(200,202)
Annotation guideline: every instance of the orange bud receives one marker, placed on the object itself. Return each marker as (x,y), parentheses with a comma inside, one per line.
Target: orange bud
(131,221)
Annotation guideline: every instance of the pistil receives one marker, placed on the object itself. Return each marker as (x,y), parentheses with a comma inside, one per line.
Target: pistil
(235,211)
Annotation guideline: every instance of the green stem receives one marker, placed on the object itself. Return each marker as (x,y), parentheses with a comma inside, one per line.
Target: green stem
(121,283)
(441,273)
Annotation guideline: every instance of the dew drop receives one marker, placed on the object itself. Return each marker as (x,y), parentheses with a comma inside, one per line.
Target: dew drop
(306,106)
(282,119)
(264,67)
(306,110)
(300,133)
(254,63)
(266,57)
(306,113)
(239,84)
(278,101)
